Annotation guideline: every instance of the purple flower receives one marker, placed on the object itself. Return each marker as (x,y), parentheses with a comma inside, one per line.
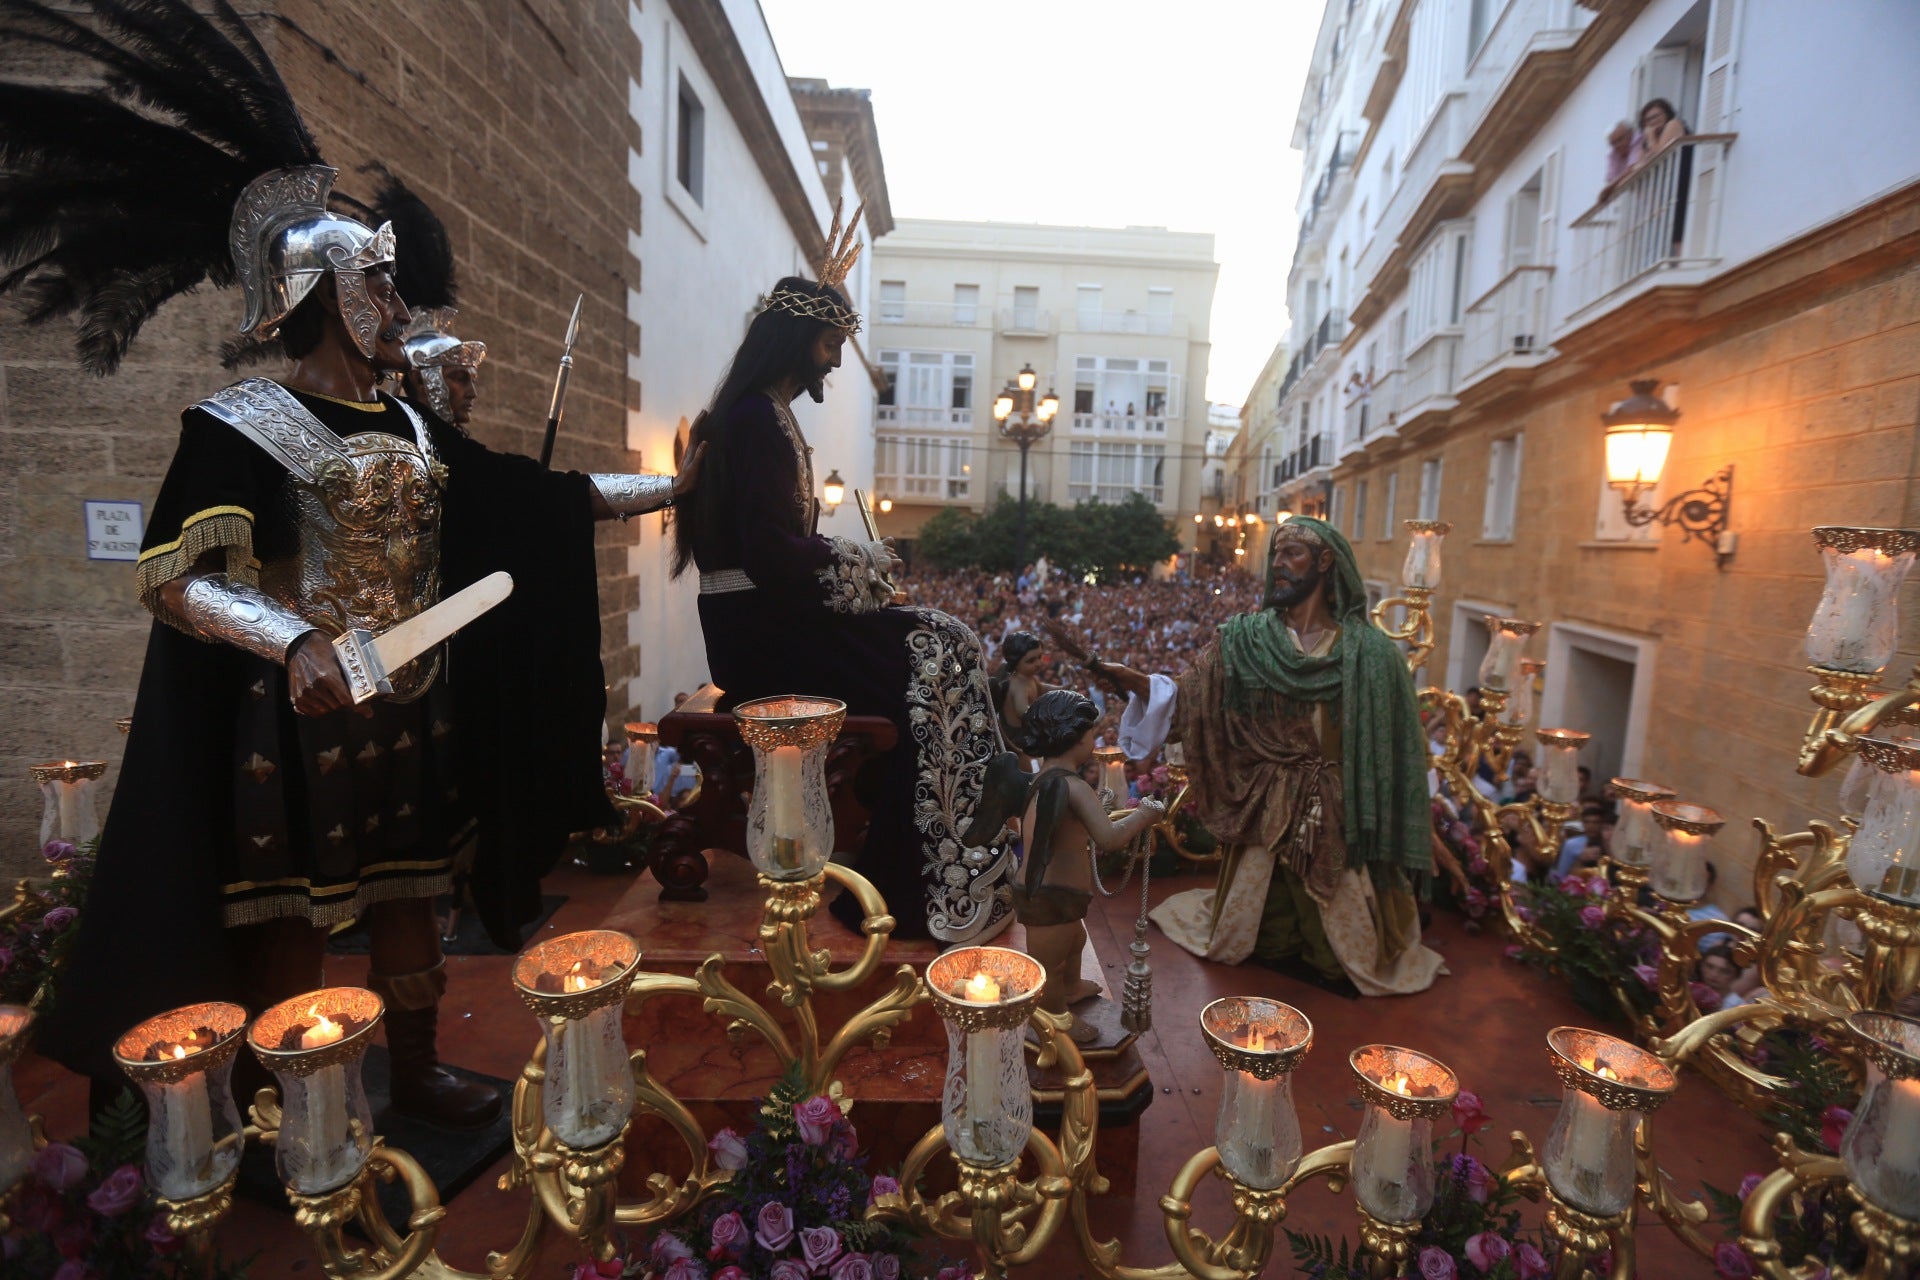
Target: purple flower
(1475,903)
(118,1192)
(886,1266)
(1593,915)
(1487,1249)
(1524,912)
(773,1226)
(1478,866)
(1468,1113)
(1474,1176)
(669,1248)
(1704,996)
(789,1269)
(816,1117)
(1573,886)
(729,1237)
(957,1272)
(729,1152)
(56,851)
(164,1242)
(1530,1262)
(1515,951)
(1748,1183)
(729,1273)
(1435,1264)
(74,1269)
(851,1266)
(819,1246)
(1648,975)
(1833,1126)
(686,1269)
(58,918)
(59,1166)
(882,1186)
(1730,1261)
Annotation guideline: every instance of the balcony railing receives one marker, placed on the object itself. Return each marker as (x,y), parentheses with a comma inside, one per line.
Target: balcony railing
(1510,319)
(1386,401)
(1101,424)
(1328,333)
(1523,27)
(1337,163)
(1438,146)
(1355,420)
(1092,321)
(1024,321)
(889,415)
(1665,216)
(962,315)
(1432,372)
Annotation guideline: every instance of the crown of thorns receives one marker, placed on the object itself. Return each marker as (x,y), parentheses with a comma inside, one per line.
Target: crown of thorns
(813,306)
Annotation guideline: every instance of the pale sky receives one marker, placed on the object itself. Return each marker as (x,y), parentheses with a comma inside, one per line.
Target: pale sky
(1089,113)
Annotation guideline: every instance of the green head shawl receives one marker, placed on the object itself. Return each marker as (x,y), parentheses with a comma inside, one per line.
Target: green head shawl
(1383,765)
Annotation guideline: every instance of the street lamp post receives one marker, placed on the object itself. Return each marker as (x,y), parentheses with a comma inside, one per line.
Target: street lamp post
(1026,423)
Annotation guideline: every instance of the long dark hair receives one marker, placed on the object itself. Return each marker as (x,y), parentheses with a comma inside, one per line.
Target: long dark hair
(778,345)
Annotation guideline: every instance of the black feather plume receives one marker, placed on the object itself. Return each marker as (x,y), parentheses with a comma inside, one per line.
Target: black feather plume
(423,254)
(117,198)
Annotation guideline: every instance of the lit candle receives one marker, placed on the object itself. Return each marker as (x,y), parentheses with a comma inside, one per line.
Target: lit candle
(1392,1141)
(324,1100)
(1881,1146)
(786,814)
(1257,1108)
(70,807)
(983,1060)
(187,1128)
(575,1036)
(1884,855)
(1855,626)
(1590,1131)
(1560,766)
(67,786)
(1422,567)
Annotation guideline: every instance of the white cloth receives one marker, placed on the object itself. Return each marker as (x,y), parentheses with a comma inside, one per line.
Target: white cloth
(1144,725)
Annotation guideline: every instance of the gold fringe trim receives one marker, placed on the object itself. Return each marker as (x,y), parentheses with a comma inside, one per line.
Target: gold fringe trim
(324,915)
(228,529)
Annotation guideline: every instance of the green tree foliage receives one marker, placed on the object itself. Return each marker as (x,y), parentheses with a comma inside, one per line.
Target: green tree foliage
(1091,537)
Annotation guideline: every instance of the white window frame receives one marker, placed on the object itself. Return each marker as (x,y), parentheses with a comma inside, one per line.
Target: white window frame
(966,304)
(1503,488)
(1433,473)
(1388,525)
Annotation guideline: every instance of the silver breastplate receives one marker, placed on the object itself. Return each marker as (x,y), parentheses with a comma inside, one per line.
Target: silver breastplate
(366,514)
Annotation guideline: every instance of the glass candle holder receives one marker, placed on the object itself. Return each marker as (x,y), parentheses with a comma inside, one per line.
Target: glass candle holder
(1174,755)
(1560,764)
(1506,639)
(16,1132)
(66,790)
(1519,708)
(1855,626)
(1883,857)
(643,745)
(183,1062)
(1881,1147)
(1608,1085)
(1113,773)
(1257,1130)
(1634,834)
(1422,567)
(1684,832)
(1405,1093)
(313,1044)
(576,985)
(790,818)
(985,995)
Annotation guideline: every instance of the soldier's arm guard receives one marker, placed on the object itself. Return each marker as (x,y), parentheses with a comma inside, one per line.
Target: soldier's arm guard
(633,495)
(245,617)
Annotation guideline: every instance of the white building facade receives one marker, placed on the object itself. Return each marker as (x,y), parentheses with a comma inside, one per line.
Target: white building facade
(1114,321)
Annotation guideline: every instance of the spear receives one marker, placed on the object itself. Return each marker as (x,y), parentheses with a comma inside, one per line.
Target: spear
(560,377)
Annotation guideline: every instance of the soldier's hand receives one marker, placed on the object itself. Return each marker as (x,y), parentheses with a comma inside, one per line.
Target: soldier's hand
(689,475)
(315,681)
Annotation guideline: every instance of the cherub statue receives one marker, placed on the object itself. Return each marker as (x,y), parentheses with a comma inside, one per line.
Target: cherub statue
(1062,823)
(1017,685)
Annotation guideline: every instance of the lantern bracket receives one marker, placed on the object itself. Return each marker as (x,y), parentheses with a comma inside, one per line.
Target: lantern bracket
(1701,513)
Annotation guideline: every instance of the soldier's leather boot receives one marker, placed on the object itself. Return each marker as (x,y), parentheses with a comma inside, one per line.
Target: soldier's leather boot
(422,1088)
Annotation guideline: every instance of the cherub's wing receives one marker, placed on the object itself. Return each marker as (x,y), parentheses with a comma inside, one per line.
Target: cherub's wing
(1002,795)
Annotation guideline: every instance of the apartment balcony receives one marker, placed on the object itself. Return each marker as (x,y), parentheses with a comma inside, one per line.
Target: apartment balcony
(1025,322)
(1120,426)
(1507,326)
(1521,60)
(1355,421)
(1661,225)
(1092,321)
(1328,333)
(1431,376)
(890,415)
(934,315)
(1320,212)
(1434,186)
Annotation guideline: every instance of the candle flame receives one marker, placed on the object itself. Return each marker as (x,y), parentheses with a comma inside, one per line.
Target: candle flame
(179,1052)
(982,988)
(1397,1085)
(1257,1040)
(576,979)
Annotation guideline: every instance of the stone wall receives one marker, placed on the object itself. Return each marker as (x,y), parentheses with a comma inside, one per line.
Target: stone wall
(511,120)
(1800,371)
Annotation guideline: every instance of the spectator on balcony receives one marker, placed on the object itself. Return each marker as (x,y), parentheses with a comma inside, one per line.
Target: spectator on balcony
(1129,408)
(1623,156)
(1660,127)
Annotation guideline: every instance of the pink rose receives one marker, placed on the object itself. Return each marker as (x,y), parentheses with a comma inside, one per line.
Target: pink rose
(1704,996)
(816,1117)
(1478,866)
(1436,1264)
(729,1237)
(59,1166)
(164,1242)
(1468,1114)
(1474,1176)
(819,1246)
(118,1192)
(789,1269)
(669,1248)
(1730,1261)
(851,1266)
(1487,1249)
(882,1186)
(886,1266)
(612,1267)
(56,851)
(1593,915)
(1833,1126)
(686,1269)
(1573,886)
(1748,1183)
(1648,975)
(1515,951)
(846,1143)
(773,1226)
(729,1273)
(58,918)
(959,1272)
(729,1152)
(1530,1262)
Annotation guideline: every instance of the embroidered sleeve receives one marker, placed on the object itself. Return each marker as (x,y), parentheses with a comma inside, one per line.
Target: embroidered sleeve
(853,580)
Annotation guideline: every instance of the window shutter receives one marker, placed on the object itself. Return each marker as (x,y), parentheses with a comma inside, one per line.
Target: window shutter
(1723,43)
(1549,203)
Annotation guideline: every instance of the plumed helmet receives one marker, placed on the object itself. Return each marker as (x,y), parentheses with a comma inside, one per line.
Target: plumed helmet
(431,349)
(284,238)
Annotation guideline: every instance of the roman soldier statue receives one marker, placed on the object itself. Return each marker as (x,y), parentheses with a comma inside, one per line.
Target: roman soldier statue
(264,798)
